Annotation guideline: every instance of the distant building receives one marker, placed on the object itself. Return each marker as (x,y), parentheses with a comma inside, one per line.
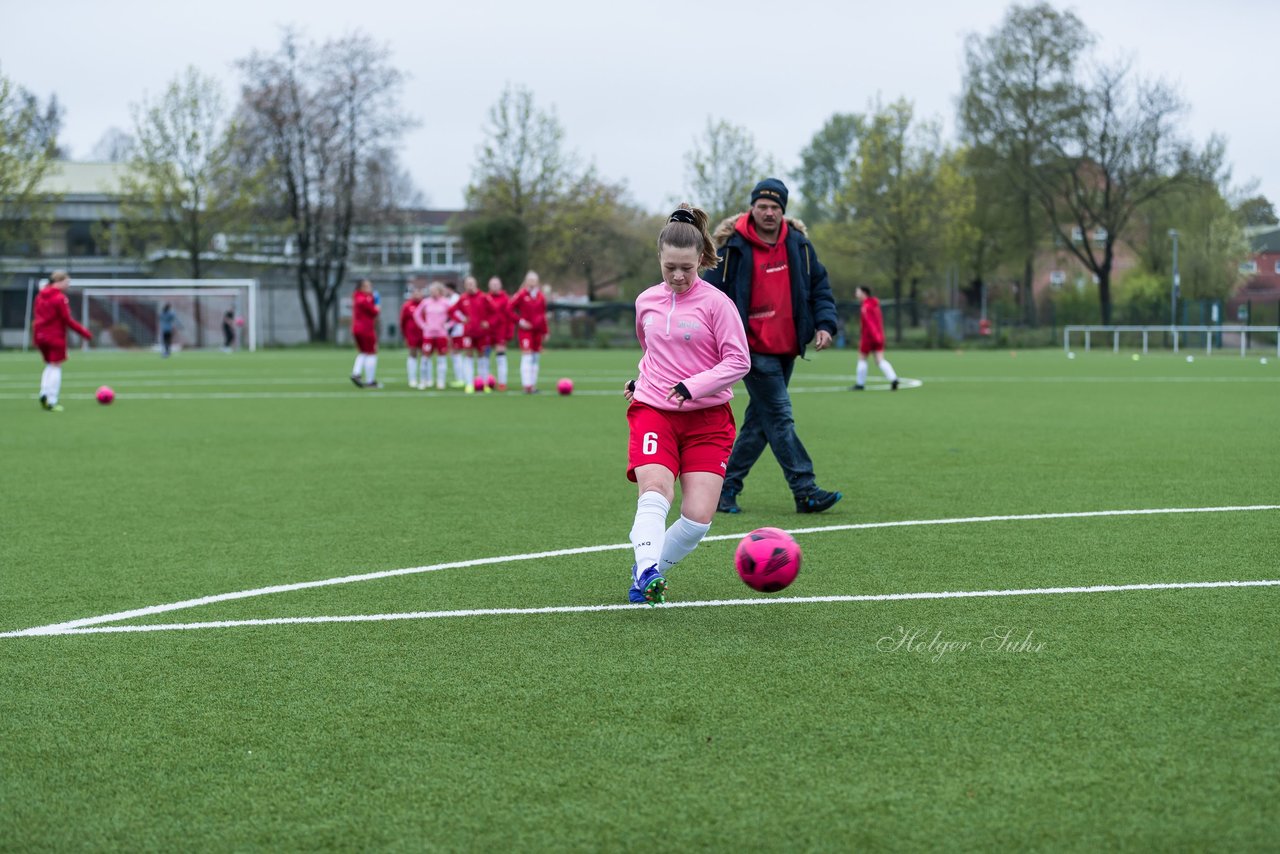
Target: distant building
(418,246)
(1257,299)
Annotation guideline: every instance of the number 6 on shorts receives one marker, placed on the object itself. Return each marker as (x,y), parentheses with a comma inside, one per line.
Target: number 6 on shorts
(649,444)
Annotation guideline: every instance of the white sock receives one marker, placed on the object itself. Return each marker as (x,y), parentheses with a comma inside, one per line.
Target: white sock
(358,367)
(526,369)
(442,370)
(412,367)
(55,383)
(370,369)
(533,375)
(682,537)
(427,374)
(650,529)
(458,373)
(887,370)
(501,359)
(862,372)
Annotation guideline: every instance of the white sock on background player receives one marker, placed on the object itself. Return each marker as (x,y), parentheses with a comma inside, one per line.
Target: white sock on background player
(862,372)
(649,529)
(370,369)
(412,368)
(458,372)
(358,368)
(887,370)
(501,360)
(533,371)
(682,537)
(428,375)
(442,370)
(526,370)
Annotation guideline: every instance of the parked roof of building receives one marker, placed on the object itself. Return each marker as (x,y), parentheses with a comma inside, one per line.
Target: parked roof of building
(1264,238)
(73,178)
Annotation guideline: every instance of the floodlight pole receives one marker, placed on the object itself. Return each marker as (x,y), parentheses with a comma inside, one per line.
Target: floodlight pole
(1173,317)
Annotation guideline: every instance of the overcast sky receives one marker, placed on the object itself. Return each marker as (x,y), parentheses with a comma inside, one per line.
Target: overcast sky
(634,83)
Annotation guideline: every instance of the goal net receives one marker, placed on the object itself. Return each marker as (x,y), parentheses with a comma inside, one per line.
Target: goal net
(130,313)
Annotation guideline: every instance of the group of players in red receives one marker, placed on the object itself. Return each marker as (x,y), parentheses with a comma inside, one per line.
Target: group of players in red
(468,328)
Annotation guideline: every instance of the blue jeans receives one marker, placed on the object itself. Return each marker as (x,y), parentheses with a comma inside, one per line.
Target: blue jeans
(768,421)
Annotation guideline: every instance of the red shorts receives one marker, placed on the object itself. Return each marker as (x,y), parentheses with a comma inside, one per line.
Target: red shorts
(696,440)
(366,342)
(413,342)
(867,346)
(501,335)
(530,341)
(436,345)
(479,340)
(54,354)
(459,342)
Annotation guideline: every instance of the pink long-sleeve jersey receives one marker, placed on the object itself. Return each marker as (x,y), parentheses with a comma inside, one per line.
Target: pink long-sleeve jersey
(433,317)
(695,338)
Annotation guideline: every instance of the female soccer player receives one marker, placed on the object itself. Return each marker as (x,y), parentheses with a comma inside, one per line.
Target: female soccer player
(529,306)
(872,341)
(501,328)
(364,328)
(412,334)
(49,328)
(475,307)
(694,349)
(432,318)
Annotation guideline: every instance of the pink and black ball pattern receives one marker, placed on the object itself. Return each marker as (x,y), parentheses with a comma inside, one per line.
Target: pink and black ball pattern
(767,559)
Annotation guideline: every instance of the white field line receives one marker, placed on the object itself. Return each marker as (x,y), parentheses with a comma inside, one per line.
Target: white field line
(71,625)
(706,603)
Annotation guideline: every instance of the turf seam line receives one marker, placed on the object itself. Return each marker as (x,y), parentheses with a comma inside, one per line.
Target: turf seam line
(61,628)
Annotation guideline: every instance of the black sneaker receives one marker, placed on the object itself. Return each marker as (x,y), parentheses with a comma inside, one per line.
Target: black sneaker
(817,501)
(893,386)
(44,402)
(355,379)
(728,503)
(858,388)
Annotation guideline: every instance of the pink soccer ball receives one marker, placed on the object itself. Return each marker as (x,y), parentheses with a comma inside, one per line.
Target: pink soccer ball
(565,386)
(478,383)
(239,321)
(490,381)
(767,559)
(105,395)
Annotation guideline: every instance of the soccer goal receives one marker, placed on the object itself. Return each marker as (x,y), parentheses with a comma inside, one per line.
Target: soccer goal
(127,313)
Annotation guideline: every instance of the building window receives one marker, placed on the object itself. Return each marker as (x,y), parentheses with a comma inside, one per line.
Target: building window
(1076,234)
(1100,236)
(1250,267)
(1278,268)
(1057,278)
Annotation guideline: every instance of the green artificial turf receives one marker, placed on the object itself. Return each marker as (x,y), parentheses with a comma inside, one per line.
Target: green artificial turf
(1138,720)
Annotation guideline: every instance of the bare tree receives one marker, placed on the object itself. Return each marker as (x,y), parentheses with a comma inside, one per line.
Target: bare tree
(183,185)
(1121,153)
(316,116)
(28,148)
(114,146)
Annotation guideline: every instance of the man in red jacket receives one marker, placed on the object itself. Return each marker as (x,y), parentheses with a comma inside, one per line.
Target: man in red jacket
(872,341)
(364,328)
(49,326)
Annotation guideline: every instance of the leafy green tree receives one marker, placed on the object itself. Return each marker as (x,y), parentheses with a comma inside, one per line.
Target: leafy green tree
(893,190)
(600,236)
(824,169)
(314,117)
(723,167)
(1019,94)
(184,185)
(523,170)
(497,245)
(28,149)
(1257,210)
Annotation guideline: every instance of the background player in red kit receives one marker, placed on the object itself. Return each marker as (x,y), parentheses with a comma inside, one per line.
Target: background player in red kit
(49,327)
(364,328)
(412,333)
(529,306)
(502,325)
(872,341)
(474,306)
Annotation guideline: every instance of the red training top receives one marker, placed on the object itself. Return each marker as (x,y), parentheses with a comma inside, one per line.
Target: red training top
(872,326)
(364,314)
(771,326)
(478,311)
(531,308)
(53,317)
(409,327)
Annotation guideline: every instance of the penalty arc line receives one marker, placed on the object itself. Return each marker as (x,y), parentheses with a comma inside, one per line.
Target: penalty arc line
(708,603)
(151,610)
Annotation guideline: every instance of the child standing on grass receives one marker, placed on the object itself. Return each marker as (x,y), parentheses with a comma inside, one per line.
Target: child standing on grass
(412,334)
(871,341)
(49,328)
(432,318)
(529,307)
(694,349)
(364,328)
